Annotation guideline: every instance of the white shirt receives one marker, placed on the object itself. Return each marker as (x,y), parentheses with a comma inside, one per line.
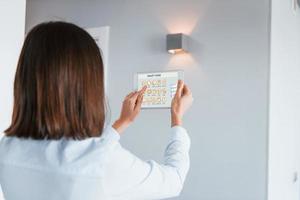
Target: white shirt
(97,168)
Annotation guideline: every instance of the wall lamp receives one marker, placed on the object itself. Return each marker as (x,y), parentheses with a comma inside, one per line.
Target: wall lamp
(177,43)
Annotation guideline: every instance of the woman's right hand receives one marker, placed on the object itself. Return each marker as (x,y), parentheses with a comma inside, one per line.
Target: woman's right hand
(130,109)
(182,100)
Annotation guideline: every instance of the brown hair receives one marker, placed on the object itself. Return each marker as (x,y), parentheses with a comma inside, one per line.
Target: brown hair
(58,88)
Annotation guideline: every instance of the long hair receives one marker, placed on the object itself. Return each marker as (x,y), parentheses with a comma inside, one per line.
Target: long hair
(59,85)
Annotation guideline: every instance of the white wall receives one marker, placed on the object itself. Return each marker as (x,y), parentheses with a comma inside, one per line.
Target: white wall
(227,69)
(12,21)
(284,126)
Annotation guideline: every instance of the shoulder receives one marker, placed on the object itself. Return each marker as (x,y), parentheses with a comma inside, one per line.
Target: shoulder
(86,157)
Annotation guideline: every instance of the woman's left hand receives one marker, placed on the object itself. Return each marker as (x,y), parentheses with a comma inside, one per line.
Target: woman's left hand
(130,109)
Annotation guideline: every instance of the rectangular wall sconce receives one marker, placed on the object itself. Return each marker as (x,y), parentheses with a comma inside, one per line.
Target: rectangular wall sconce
(177,43)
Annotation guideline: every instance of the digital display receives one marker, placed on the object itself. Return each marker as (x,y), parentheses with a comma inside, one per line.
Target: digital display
(161,87)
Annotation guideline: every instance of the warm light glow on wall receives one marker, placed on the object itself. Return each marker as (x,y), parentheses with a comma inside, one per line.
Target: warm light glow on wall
(184,22)
(183,61)
(181,24)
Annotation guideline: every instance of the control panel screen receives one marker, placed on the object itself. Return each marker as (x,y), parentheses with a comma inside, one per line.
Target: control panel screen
(161,87)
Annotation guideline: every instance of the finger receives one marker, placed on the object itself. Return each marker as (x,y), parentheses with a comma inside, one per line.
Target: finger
(130,94)
(179,88)
(142,91)
(134,96)
(139,102)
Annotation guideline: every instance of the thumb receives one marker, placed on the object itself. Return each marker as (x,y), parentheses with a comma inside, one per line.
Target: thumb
(179,88)
(140,98)
(139,102)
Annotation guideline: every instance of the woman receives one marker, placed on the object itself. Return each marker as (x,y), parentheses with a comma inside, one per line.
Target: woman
(57,147)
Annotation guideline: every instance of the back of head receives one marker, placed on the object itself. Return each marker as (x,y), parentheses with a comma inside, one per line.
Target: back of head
(59,87)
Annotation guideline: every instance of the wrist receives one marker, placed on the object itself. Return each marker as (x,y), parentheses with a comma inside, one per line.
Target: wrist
(120,125)
(176,120)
